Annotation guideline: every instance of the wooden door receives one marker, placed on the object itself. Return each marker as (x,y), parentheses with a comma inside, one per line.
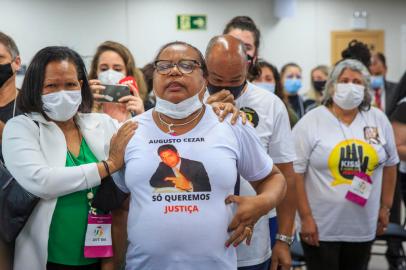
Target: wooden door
(340,40)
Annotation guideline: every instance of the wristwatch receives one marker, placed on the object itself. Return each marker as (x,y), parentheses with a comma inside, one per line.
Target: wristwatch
(284,238)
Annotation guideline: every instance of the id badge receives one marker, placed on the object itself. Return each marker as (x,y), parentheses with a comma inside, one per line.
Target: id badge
(98,242)
(360,189)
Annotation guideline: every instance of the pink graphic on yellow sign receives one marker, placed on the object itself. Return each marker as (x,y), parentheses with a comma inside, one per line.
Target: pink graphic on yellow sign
(349,157)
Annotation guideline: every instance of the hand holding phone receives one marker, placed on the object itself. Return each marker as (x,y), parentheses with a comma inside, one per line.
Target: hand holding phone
(112,93)
(130,80)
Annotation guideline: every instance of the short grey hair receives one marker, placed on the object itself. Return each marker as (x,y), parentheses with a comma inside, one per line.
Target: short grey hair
(335,74)
(10,45)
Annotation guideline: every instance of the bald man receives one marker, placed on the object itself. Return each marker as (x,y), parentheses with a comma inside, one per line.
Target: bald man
(228,69)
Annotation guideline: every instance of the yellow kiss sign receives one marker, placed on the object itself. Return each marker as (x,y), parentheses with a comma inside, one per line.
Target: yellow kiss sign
(349,157)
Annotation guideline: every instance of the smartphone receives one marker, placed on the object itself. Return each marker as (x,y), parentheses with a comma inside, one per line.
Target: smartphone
(113,92)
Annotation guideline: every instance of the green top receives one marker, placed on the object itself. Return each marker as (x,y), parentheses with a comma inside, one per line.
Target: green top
(69,221)
(293,119)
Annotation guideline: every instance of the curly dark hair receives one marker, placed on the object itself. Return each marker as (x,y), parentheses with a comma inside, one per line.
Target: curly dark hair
(359,51)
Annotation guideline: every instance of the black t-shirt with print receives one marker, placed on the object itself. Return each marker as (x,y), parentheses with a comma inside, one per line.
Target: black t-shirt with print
(6,113)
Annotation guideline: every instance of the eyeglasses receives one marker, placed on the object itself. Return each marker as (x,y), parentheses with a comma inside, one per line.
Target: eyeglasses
(163,67)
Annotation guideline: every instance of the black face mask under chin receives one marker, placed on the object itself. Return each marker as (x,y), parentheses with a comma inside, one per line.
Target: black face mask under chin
(235,90)
(6,72)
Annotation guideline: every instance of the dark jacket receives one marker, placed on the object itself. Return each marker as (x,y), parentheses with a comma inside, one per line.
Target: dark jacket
(390,90)
(193,170)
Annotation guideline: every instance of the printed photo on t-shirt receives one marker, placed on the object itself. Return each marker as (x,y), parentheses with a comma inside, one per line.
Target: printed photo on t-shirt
(371,135)
(252,115)
(177,174)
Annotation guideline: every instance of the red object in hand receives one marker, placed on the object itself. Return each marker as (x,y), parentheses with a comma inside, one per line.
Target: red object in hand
(132,80)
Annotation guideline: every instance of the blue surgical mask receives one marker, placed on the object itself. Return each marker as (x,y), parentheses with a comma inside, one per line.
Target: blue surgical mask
(292,85)
(377,82)
(267,86)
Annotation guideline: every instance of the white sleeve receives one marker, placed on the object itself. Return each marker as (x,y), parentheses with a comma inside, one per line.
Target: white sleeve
(26,162)
(281,147)
(390,147)
(253,162)
(303,143)
(119,180)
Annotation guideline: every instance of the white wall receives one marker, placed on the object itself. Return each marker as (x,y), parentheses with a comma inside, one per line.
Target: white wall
(145,25)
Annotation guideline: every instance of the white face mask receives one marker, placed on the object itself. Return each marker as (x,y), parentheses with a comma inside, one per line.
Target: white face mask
(110,76)
(62,105)
(180,110)
(267,86)
(348,96)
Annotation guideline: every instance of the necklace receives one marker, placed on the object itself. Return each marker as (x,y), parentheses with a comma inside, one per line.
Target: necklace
(14,106)
(170,125)
(340,118)
(90,193)
(347,140)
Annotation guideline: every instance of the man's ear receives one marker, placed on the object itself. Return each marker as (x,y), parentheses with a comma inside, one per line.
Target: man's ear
(16,64)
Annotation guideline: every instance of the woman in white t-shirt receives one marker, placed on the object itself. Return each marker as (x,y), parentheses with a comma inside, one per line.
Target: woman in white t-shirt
(182,168)
(346,166)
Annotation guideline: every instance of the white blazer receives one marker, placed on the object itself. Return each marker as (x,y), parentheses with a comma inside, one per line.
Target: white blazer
(36,157)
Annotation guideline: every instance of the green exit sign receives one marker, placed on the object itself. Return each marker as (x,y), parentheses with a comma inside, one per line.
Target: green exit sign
(191,22)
